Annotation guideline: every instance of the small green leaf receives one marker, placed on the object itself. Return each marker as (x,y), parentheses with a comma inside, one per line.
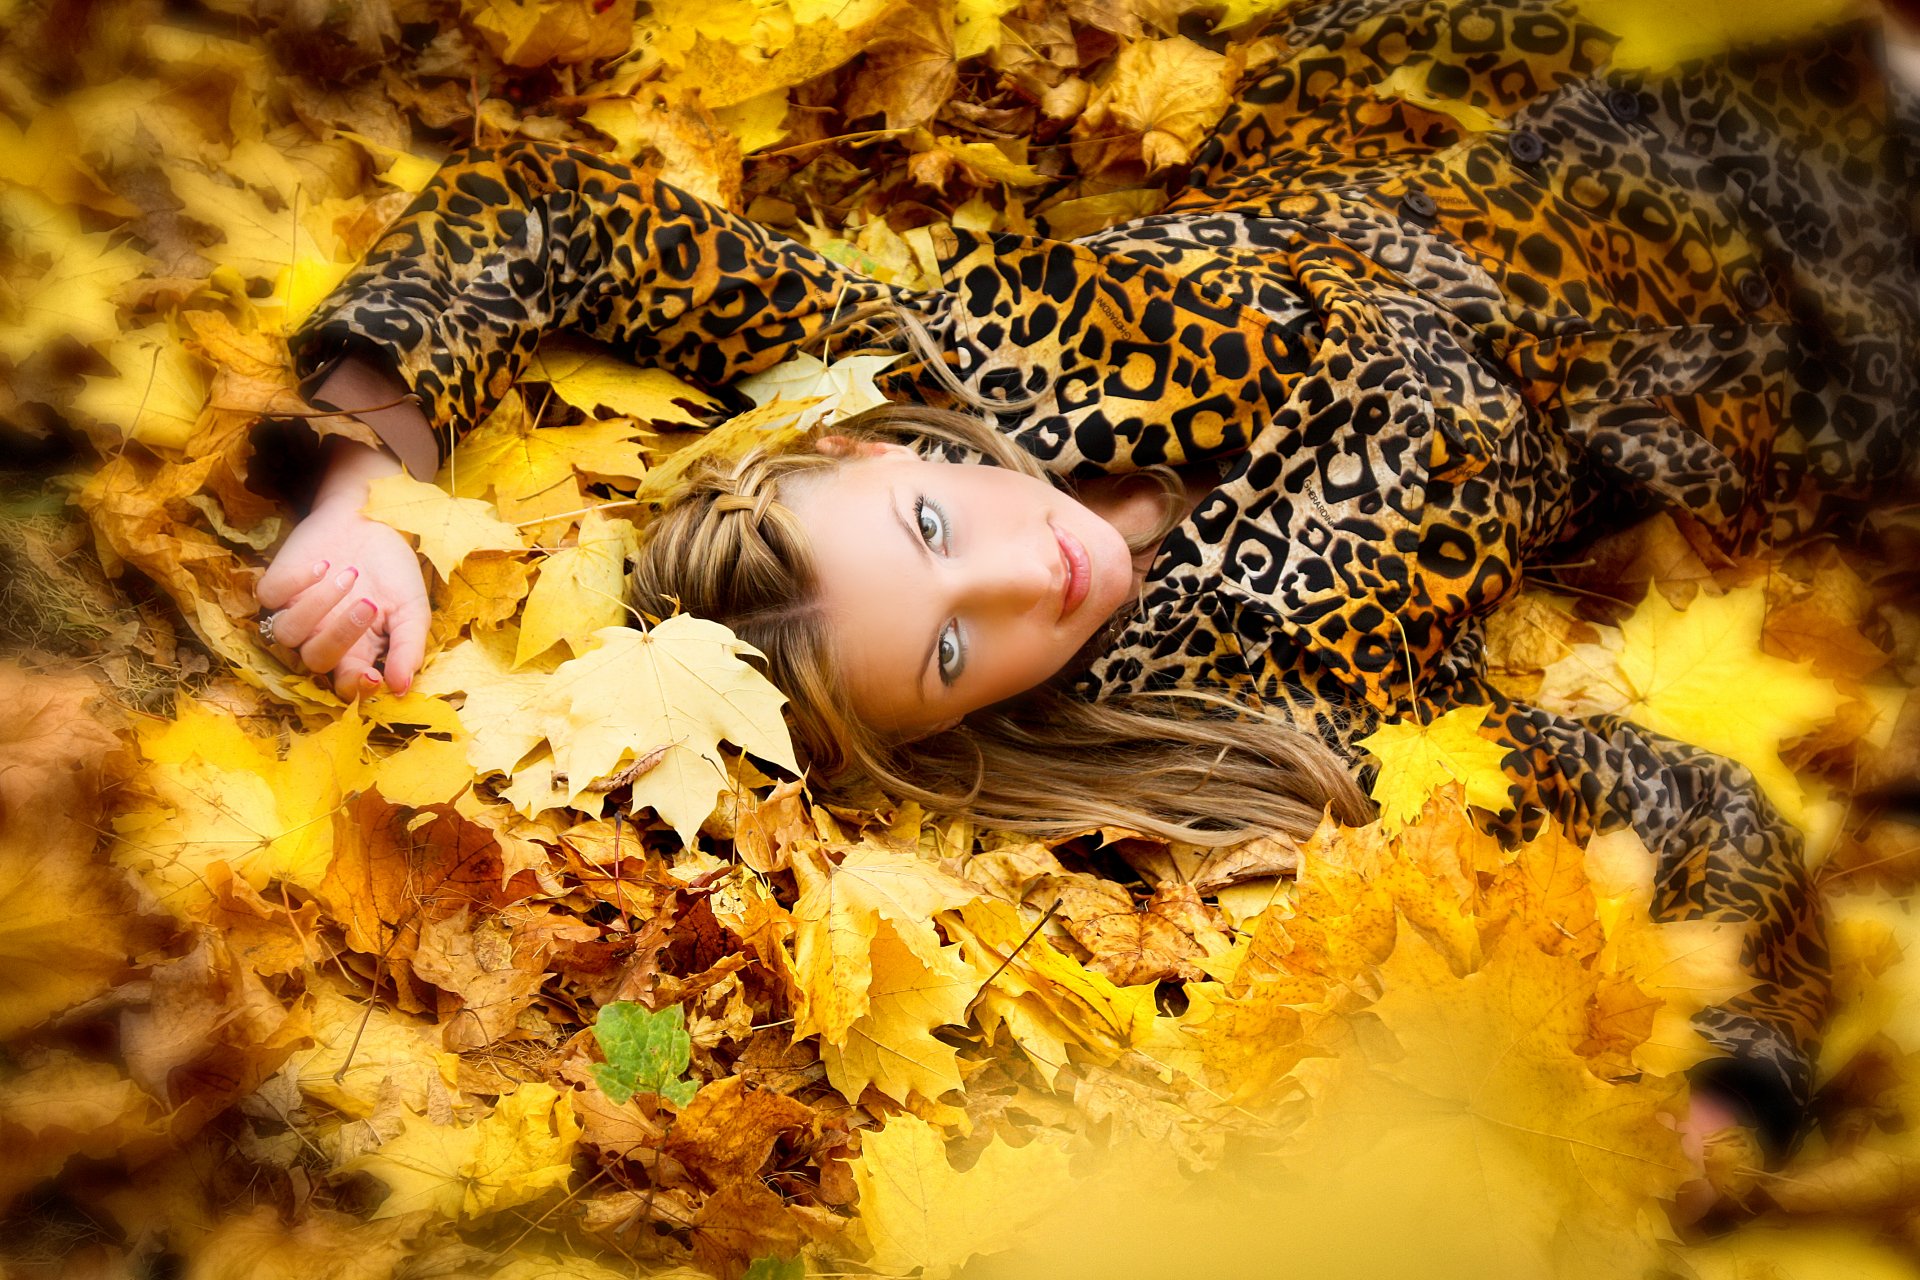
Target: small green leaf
(772,1268)
(645,1052)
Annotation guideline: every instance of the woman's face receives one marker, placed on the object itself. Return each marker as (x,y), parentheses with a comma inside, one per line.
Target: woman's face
(952,586)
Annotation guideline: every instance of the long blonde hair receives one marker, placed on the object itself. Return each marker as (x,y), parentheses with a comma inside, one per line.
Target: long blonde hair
(1182,764)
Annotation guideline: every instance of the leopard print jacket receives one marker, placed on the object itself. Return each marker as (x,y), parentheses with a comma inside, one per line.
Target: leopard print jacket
(1425,345)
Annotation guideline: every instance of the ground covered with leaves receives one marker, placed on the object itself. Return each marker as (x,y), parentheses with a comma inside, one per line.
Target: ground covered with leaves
(535,972)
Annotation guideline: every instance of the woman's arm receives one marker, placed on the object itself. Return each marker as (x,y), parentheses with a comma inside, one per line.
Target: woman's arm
(505,244)
(426,334)
(1722,852)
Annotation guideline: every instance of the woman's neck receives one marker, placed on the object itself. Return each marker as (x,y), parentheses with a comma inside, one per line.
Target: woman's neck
(1134,505)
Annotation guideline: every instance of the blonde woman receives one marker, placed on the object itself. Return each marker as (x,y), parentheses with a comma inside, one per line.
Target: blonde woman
(1167,517)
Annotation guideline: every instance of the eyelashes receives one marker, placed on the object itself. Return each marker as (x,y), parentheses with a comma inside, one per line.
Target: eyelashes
(951,649)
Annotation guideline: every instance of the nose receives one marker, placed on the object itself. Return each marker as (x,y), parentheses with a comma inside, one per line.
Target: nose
(1005,580)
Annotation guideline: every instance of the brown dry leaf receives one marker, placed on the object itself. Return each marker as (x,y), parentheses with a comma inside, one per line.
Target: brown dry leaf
(1160,98)
(910,68)
(58,1105)
(394,871)
(270,938)
(531,33)
(1614,571)
(68,927)
(210,1032)
(724,1140)
(339,1246)
(477,962)
(1128,943)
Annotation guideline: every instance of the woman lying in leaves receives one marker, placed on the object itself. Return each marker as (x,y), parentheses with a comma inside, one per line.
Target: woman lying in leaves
(1441,295)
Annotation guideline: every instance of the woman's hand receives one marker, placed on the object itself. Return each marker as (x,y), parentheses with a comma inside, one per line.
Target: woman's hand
(346,591)
(1706,1116)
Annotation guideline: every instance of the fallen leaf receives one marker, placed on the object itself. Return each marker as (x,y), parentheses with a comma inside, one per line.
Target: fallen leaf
(917,1211)
(514,1156)
(449,528)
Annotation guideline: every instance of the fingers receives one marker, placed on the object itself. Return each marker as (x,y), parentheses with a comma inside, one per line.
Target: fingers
(283,580)
(337,635)
(356,673)
(406,645)
(296,624)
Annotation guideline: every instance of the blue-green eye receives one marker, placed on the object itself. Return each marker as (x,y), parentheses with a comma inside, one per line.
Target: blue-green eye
(931,520)
(953,652)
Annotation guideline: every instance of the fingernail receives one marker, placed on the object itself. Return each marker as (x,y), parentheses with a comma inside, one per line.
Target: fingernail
(362,612)
(320,570)
(346,578)
(369,678)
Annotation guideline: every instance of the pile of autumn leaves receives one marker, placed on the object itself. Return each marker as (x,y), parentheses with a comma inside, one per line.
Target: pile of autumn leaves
(323,1002)
(533,972)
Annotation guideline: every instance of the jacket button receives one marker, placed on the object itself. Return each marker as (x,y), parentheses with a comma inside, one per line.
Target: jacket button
(1419,204)
(1526,146)
(1753,290)
(1624,103)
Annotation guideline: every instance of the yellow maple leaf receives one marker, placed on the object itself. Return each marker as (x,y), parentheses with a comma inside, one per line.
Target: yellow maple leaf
(1163,95)
(213,793)
(449,528)
(500,716)
(1686,965)
(514,1156)
(1488,1134)
(360,1052)
(530,472)
(917,1211)
(759,122)
(531,33)
(1700,676)
(890,1046)
(157,394)
(986,162)
(63,934)
(1047,1000)
(485,590)
(829,392)
(1417,759)
(839,912)
(592,380)
(1428,870)
(1876,963)
(65,282)
(579,590)
(257,241)
(677,689)
(774,424)
(976,26)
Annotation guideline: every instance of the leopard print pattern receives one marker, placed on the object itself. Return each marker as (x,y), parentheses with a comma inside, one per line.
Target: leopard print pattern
(1424,345)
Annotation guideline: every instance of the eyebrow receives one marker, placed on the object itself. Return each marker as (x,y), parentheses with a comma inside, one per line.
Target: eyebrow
(893,504)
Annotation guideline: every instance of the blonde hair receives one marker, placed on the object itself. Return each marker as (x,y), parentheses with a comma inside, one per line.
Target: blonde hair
(1182,764)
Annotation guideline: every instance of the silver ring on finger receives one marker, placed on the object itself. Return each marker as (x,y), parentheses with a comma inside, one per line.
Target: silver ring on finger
(266,628)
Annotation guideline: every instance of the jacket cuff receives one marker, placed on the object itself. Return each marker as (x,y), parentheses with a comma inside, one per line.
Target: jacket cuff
(316,353)
(1758,1096)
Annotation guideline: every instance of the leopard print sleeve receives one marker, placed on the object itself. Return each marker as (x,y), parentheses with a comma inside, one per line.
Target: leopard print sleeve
(504,244)
(1722,853)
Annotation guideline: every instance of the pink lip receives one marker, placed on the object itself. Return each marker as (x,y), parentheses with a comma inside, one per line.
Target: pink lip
(1079,574)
